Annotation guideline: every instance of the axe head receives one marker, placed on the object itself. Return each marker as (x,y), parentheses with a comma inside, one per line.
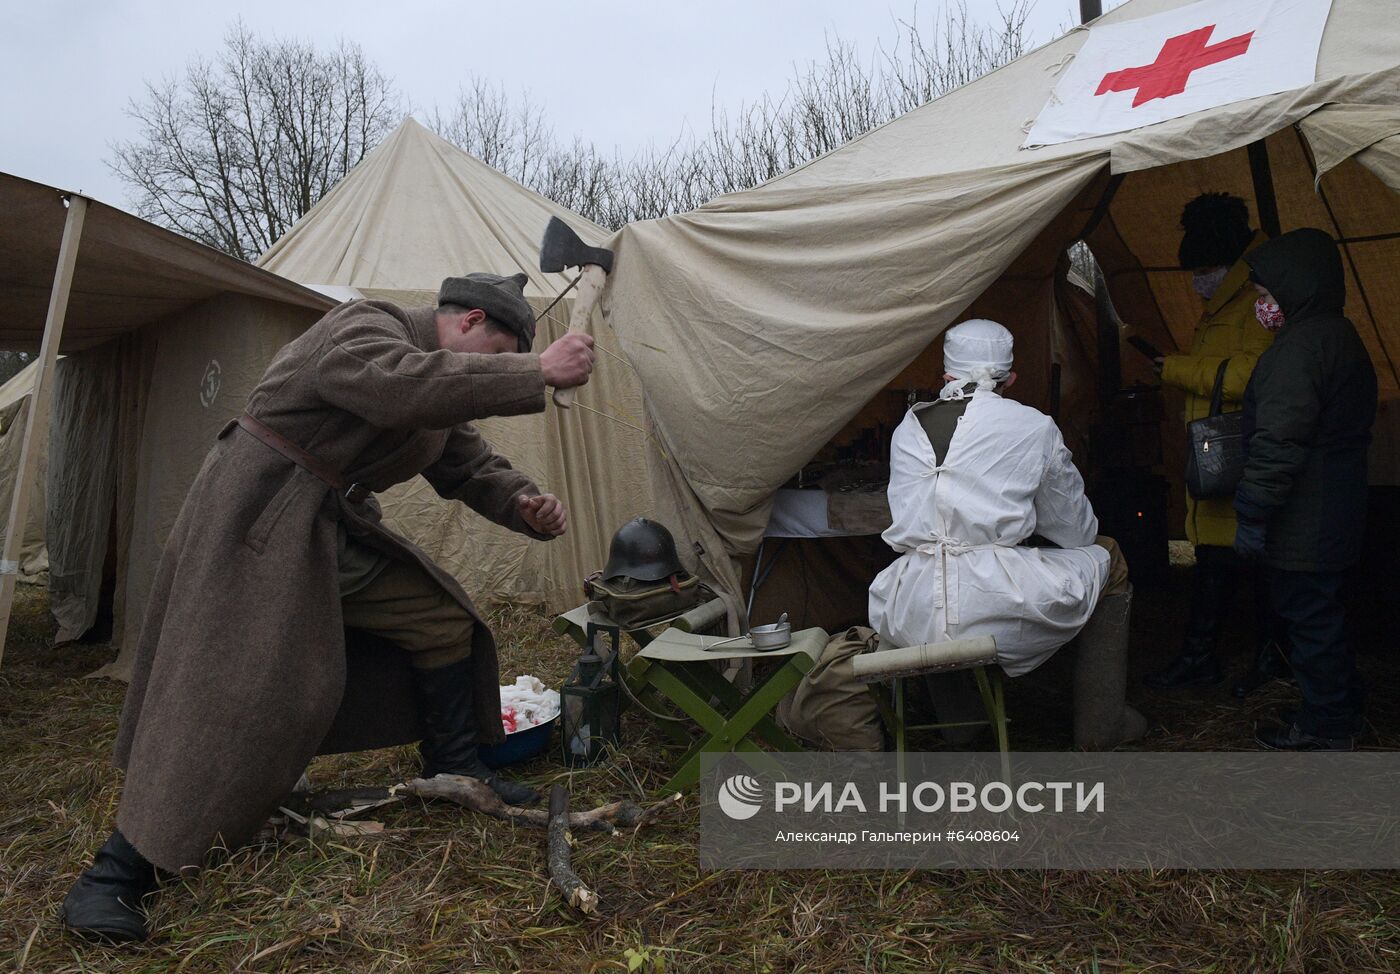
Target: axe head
(562,248)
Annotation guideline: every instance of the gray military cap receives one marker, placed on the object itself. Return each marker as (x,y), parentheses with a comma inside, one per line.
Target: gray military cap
(502,298)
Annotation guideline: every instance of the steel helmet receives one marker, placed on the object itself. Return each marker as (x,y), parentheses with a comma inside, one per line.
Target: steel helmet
(643,550)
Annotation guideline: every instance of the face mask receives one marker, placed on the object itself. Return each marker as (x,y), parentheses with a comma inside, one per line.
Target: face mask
(1205,283)
(1269,314)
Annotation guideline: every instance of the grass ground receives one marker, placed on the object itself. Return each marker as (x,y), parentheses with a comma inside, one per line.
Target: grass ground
(446,890)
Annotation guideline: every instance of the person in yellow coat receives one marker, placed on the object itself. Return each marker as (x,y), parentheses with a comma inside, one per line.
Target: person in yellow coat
(1216,235)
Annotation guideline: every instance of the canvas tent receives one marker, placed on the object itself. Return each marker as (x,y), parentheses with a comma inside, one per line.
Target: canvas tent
(418,209)
(14,410)
(162,341)
(765,322)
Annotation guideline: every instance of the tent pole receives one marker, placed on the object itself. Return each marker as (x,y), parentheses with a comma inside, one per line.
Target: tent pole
(1109,346)
(41,399)
(1110,370)
(1264,199)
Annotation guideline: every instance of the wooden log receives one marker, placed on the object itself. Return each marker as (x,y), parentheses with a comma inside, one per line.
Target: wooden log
(478,796)
(559,847)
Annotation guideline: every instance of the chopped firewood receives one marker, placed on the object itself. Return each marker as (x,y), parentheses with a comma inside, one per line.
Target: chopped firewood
(306,826)
(559,848)
(350,802)
(478,796)
(346,830)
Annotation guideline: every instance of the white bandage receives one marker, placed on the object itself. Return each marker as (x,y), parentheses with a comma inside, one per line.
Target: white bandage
(977,351)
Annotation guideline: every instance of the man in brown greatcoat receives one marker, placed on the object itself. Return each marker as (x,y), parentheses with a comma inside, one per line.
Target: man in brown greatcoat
(242,671)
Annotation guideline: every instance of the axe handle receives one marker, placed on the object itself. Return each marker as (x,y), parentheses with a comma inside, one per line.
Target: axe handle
(590,286)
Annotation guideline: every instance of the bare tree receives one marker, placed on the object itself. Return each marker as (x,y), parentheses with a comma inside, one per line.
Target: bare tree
(827,103)
(233,153)
(513,138)
(237,150)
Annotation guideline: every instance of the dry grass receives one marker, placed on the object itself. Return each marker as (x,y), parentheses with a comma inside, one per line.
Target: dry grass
(448,891)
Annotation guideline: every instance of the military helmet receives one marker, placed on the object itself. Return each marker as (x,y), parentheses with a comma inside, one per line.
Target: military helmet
(643,550)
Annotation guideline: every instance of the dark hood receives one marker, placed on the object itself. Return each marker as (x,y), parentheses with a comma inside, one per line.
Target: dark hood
(1303,271)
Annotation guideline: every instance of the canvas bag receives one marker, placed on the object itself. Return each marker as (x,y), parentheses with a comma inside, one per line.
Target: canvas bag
(830,708)
(1215,447)
(636,605)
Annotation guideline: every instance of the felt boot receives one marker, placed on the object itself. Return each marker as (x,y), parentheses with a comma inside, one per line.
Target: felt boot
(449,738)
(1102,717)
(105,902)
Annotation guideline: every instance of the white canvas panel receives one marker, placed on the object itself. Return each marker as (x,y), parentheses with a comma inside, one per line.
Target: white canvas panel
(1188,59)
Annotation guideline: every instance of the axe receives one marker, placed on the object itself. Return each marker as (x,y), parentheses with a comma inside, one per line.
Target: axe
(562,248)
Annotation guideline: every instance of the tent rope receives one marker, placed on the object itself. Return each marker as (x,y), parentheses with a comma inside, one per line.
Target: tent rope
(572,284)
(651,437)
(610,354)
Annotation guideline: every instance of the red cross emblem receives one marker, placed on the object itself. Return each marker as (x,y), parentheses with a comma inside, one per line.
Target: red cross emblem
(1179,56)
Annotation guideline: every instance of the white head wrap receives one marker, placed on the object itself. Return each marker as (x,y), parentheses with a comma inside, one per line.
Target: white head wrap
(977,351)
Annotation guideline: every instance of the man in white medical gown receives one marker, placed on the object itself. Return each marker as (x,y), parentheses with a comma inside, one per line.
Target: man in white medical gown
(973,477)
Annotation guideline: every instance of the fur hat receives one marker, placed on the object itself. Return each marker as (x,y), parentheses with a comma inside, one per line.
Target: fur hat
(502,298)
(1216,229)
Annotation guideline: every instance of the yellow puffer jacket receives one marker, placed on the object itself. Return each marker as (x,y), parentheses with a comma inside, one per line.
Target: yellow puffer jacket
(1228,329)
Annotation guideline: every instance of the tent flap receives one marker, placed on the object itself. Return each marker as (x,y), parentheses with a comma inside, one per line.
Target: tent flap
(34,555)
(1338,132)
(755,351)
(81,484)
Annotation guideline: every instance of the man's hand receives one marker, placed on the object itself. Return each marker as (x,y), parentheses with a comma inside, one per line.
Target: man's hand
(544,513)
(1251,525)
(568,362)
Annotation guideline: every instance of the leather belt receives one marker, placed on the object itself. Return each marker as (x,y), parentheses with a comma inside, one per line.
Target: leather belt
(354,493)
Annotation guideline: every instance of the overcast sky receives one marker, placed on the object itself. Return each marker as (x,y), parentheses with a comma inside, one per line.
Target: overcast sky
(621,73)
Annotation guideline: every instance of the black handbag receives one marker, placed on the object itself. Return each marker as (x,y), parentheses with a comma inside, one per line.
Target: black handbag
(1215,447)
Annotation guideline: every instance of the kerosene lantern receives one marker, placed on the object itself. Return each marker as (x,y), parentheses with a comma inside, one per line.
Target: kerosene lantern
(591,699)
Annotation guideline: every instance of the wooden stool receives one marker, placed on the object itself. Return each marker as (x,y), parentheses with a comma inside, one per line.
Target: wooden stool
(894,666)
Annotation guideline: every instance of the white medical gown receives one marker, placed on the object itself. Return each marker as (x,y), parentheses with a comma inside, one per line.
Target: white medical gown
(958,524)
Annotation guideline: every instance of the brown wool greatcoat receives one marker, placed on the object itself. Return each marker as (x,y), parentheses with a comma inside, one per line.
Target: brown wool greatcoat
(242,673)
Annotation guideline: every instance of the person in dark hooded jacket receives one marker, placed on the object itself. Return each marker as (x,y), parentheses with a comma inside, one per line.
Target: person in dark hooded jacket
(1301,504)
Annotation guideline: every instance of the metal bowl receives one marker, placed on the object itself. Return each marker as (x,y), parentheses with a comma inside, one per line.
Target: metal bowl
(774,636)
(519,746)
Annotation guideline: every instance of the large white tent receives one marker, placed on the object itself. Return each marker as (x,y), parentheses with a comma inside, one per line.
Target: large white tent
(418,209)
(766,323)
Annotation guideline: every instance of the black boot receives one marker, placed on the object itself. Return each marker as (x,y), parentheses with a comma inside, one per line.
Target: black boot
(1212,594)
(1291,737)
(1195,667)
(1269,664)
(449,731)
(105,902)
